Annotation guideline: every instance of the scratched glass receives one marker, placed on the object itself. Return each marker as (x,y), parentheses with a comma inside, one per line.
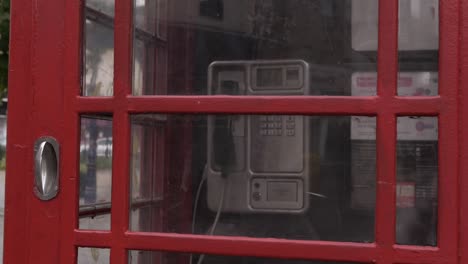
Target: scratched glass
(418,46)
(149,257)
(417,175)
(98,48)
(95,172)
(245,47)
(282,176)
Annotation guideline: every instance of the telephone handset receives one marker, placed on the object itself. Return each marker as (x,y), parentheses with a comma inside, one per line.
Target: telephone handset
(224,154)
(262,160)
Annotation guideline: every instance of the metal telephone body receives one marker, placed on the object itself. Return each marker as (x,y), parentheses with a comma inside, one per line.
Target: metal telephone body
(270,168)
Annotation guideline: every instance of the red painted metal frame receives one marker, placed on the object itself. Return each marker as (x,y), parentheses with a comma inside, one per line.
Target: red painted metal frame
(463,133)
(33,230)
(16,195)
(38,232)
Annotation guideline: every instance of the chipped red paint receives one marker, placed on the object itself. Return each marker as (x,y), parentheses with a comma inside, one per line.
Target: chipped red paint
(44,100)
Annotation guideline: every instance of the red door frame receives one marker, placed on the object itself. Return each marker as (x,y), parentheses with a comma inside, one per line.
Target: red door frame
(463,132)
(44,100)
(34,113)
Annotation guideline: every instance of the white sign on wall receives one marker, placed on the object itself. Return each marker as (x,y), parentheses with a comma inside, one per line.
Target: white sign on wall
(409,84)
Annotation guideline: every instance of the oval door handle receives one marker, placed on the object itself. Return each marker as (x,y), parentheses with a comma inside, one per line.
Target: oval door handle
(46,162)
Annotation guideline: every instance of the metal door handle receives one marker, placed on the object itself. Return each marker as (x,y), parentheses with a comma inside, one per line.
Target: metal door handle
(46,162)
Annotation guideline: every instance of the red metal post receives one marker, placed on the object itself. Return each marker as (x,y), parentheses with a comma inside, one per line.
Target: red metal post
(121,133)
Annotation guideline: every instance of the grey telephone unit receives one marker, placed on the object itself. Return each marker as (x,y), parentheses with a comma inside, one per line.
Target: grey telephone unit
(258,163)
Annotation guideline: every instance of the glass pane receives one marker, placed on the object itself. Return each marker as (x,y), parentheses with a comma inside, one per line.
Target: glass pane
(418,25)
(98,72)
(147,257)
(297,177)
(151,17)
(422,83)
(103,6)
(95,172)
(417,174)
(93,255)
(3,140)
(363,160)
(252,47)
(92,219)
(418,45)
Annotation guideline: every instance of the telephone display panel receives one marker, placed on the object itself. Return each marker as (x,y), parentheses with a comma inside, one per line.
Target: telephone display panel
(281,77)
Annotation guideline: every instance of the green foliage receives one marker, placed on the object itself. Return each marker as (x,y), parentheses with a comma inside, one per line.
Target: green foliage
(3,163)
(4,42)
(2,157)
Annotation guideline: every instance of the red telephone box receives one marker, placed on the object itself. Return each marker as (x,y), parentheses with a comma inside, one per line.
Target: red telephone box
(256,131)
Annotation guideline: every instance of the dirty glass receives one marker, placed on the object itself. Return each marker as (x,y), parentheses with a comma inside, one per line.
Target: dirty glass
(95,172)
(252,47)
(282,176)
(417,175)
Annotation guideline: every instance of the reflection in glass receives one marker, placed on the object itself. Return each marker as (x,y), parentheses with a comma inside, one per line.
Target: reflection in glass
(95,172)
(91,218)
(98,72)
(417,174)
(418,45)
(297,177)
(150,17)
(93,255)
(104,6)
(418,25)
(3,140)
(195,35)
(147,257)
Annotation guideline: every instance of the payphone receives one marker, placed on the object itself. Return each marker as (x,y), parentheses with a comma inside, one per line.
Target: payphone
(258,163)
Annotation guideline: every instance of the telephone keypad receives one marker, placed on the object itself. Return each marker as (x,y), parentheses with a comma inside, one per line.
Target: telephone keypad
(290,126)
(273,125)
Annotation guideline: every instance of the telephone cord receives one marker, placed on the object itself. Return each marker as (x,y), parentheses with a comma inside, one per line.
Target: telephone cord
(218,215)
(195,206)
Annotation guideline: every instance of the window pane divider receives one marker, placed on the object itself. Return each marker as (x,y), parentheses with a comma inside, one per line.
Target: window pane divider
(387,66)
(121,131)
(350,105)
(448,182)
